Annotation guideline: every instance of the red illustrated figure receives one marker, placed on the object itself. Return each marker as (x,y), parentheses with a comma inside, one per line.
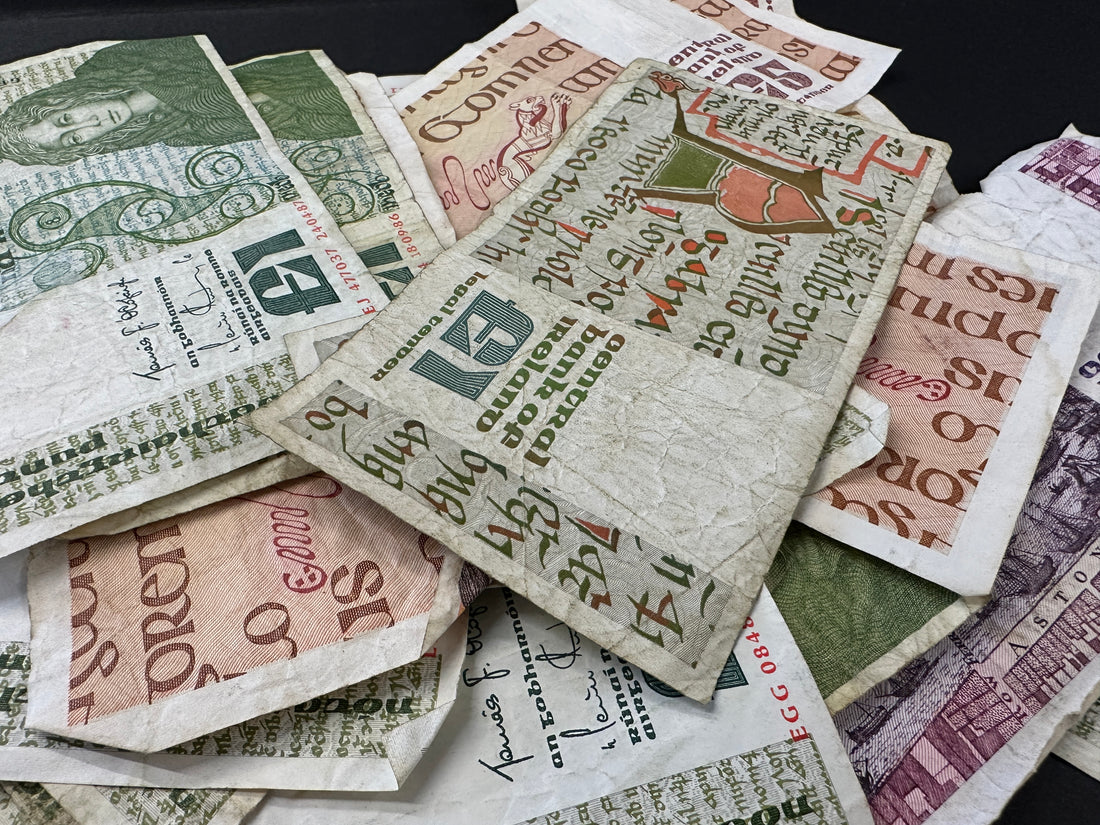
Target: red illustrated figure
(539,126)
(748,191)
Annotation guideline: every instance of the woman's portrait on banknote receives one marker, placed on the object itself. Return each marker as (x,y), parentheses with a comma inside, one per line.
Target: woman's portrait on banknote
(117,100)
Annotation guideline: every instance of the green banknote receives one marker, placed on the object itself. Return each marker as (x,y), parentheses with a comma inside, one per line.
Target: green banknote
(96,805)
(857,619)
(28,803)
(320,125)
(155,249)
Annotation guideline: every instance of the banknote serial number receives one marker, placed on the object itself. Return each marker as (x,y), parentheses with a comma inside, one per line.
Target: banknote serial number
(779,691)
(404,235)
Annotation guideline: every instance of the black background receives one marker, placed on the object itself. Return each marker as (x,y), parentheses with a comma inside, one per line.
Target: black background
(990,78)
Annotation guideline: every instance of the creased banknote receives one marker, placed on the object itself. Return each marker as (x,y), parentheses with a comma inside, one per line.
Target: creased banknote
(549,727)
(728,12)
(1044,199)
(367,736)
(599,436)
(394,83)
(972,355)
(28,803)
(96,805)
(148,638)
(320,125)
(871,108)
(264,473)
(376,100)
(975,714)
(487,116)
(603,499)
(157,247)
(747,229)
(856,619)
(716,9)
(946,737)
(858,435)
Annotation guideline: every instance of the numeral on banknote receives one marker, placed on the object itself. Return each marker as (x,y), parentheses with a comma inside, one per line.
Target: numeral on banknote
(266,282)
(489,313)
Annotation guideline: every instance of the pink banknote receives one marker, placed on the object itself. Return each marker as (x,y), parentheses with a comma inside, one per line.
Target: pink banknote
(476,152)
(974,350)
(272,582)
(948,357)
(826,59)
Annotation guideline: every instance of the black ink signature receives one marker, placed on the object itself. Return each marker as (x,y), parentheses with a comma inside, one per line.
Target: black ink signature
(204,303)
(572,655)
(229,335)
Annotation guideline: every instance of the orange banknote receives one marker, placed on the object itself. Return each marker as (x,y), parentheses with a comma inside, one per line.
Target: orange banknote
(150,637)
(972,356)
(485,118)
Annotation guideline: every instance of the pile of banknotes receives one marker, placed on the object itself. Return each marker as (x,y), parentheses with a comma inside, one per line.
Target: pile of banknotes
(625,421)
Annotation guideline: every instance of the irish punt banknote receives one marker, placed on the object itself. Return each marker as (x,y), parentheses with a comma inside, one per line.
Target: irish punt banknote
(972,354)
(156,248)
(943,739)
(646,546)
(150,637)
(100,805)
(747,229)
(588,737)
(322,128)
(1045,198)
(856,619)
(29,803)
(429,367)
(367,736)
(486,117)
(987,699)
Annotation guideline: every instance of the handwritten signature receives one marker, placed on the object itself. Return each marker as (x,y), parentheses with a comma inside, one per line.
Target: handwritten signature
(505,755)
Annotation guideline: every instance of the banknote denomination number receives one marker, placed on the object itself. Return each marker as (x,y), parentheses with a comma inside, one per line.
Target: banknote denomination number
(278,290)
(504,329)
